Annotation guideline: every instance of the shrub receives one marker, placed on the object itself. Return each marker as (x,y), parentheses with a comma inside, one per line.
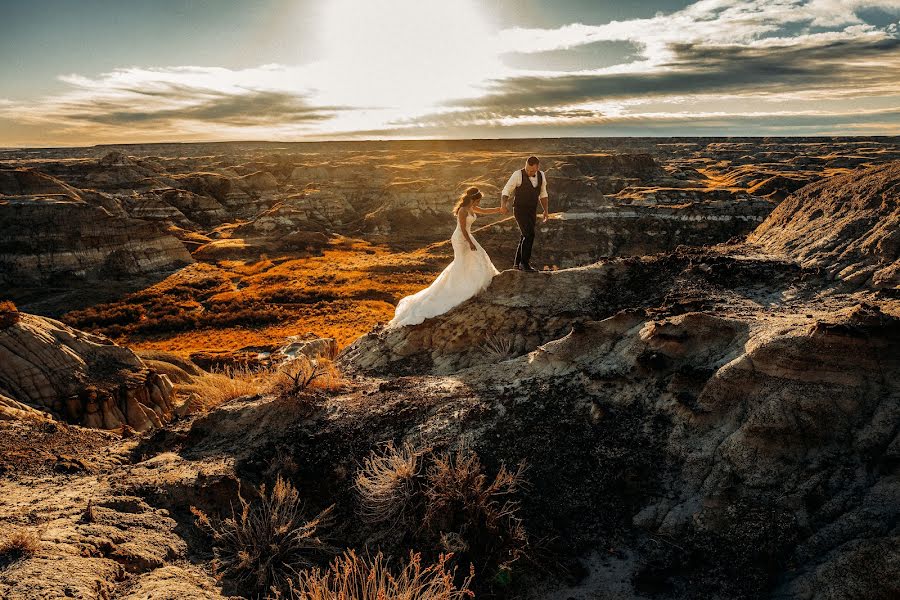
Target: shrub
(448,503)
(18,545)
(9,314)
(389,484)
(474,515)
(297,375)
(265,544)
(353,578)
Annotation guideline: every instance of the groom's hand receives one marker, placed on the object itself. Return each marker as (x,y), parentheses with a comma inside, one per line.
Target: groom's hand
(546,217)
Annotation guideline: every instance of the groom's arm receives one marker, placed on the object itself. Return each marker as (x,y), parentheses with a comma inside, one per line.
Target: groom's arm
(511,185)
(545,198)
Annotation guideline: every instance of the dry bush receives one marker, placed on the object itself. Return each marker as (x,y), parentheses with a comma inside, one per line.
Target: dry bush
(498,347)
(297,375)
(474,515)
(18,545)
(268,542)
(221,385)
(9,314)
(389,484)
(351,577)
(447,502)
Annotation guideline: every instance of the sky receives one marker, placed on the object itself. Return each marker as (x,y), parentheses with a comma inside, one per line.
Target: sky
(83,72)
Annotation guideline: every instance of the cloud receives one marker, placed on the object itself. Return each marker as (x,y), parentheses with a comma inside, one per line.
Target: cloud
(178,99)
(767,57)
(713,22)
(840,68)
(684,123)
(252,108)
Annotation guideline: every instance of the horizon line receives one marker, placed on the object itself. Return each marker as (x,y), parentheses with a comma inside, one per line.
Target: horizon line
(448,139)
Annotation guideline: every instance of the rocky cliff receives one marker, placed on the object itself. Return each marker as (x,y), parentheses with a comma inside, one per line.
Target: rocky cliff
(51,238)
(726,419)
(849,226)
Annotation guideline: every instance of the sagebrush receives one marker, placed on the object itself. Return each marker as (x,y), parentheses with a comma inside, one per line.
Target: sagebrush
(352,577)
(265,543)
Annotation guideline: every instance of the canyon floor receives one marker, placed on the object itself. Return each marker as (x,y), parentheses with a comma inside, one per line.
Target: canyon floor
(697,397)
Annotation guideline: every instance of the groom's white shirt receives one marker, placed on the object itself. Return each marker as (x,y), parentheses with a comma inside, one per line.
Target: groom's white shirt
(515,181)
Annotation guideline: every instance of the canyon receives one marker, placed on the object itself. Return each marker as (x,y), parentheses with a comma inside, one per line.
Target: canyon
(700,385)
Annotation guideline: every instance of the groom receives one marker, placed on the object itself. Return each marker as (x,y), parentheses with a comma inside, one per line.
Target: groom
(527,187)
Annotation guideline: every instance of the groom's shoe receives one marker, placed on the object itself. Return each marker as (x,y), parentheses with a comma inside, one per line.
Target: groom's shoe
(517,267)
(528,269)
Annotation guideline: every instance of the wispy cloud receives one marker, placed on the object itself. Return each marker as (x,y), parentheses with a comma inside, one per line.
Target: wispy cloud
(180,99)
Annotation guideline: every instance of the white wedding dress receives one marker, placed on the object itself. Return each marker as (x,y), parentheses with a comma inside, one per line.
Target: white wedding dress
(468,274)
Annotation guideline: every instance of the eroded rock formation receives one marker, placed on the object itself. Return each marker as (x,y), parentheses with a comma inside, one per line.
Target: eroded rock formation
(848,225)
(49,238)
(80,378)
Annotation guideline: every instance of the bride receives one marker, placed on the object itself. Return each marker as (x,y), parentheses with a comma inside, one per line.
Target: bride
(470,272)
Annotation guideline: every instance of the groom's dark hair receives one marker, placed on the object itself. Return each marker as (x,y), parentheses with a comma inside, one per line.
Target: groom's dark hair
(532,160)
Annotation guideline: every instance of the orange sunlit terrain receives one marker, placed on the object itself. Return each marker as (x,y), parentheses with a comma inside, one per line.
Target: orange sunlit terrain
(232,304)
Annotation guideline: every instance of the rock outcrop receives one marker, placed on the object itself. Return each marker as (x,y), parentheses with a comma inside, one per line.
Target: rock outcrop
(848,225)
(51,238)
(79,378)
(28,182)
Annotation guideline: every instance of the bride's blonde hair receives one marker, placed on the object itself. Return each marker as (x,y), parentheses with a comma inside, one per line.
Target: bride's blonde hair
(472,194)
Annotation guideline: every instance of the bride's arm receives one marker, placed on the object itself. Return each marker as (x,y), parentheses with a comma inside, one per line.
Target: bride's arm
(486,211)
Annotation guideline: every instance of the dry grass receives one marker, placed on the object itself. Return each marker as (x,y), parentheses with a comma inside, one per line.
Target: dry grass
(212,389)
(296,376)
(448,502)
(265,544)
(232,304)
(351,577)
(473,514)
(498,347)
(389,484)
(9,314)
(17,545)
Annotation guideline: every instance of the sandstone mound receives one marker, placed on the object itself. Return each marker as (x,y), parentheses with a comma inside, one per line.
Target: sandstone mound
(777,187)
(116,159)
(79,378)
(848,225)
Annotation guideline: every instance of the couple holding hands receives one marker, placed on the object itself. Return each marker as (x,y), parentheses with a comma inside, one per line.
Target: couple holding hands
(472,270)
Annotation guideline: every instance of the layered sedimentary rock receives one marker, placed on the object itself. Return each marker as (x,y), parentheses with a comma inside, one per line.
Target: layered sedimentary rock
(848,225)
(574,238)
(26,182)
(80,378)
(48,238)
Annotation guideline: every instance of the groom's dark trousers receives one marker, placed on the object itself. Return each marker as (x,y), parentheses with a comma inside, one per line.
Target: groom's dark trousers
(526,219)
(525,210)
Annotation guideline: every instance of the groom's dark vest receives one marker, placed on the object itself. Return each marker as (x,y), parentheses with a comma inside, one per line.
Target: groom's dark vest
(526,195)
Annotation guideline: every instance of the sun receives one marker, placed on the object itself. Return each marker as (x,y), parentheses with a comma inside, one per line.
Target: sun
(405,55)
